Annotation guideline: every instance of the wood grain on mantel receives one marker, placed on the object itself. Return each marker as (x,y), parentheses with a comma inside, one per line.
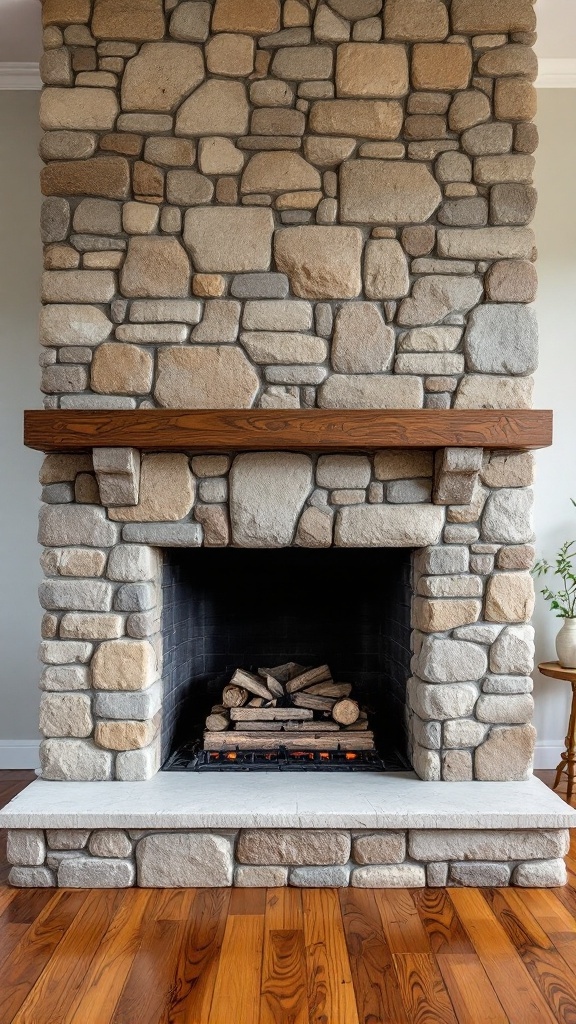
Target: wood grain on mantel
(54,430)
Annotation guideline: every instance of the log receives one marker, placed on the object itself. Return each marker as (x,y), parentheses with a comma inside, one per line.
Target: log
(217,709)
(356,726)
(330,689)
(282,672)
(256,702)
(234,696)
(250,727)
(346,711)
(269,714)
(218,722)
(305,700)
(251,683)
(274,686)
(292,725)
(231,740)
(312,675)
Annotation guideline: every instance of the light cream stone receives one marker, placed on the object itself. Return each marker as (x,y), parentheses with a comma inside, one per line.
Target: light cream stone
(445,66)
(279,172)
(379,848)
(478,391)
(230,54)
(26,847)
(219,156)
(509,597)
(366,391)
(277,315)
(205,377)
(166,492)
(315,528)
(65,714)
(506,756)
(120,19)
(119,369)
(270,93)
(63,324)
(232,240)
(371,69)
(91,626)
(362,343)
(284,347)
(155,267)
(415,20)
(187,859)
(398,526)
(267,493)
(385,270)
(369,119)
(74,760)
(78,108)
(386,191)
(327,152)
(139,218)
(160,76)
(436,615)
(110,843)
(216,108)
(486,243)
(389,876)
(257,17)
(259,876)
(124,665)
(321,262)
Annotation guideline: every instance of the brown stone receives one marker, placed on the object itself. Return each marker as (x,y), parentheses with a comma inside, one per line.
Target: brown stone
(161,76)
(327,152)
(190,21)
(369,119)
(441,65)
(506,755)
(215,108)
(65,12)
(321,262)
(509,597)
(512,203)
(354,10)
(468,109)
(277,121)
(78,108)
(125,664)
(419,241)
(148,181)
(125,143)
(121,370)
(509,60)
(171,152)
(124,735)
(230,54)
(511,281)
(512,469)
(279,172)
(387,192)
(107,176)
(123,19)
(166,494)
(205,377)
(371,69)
(515,99)
(303,63)
(425,126)
(256,17)
(526,138)
(155,267)
(78,286)
(208,285)
(518,557)
(416,20)
(215,522)
(481,16)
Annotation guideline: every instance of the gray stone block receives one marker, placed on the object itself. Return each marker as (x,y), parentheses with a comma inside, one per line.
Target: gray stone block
(32,878)
(65,652)
(74,760)
(437,875)
(483,874)
(487,844)
(56,494)
(143,624)
(438,701)
(513,651)
(76,524)
(132,563)
(507,684)
(26,847)
(464,732)
(451,661)
(334,877)
(260,286)
(507,516)
(401,492)
(540,874)
(139,705)
(506,755)
(65,677)
(184,860)
(299,847)
(389,876)
(343,471)
(267,494)
(502,338)
(135,597)
(138,765)
(110,842)
(478,632)
(438,561)
(96,873)
(76,595)
(166,535)
(67,838)
(388,526)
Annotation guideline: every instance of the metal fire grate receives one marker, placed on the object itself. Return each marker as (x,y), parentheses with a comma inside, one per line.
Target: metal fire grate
(190,758)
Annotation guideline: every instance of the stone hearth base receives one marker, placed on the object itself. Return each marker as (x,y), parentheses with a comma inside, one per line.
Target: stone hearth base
(368,831)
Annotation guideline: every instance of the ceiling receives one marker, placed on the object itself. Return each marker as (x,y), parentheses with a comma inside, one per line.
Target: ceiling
(20,35)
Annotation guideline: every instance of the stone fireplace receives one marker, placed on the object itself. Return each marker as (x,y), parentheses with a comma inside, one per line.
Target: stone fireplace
(284,217)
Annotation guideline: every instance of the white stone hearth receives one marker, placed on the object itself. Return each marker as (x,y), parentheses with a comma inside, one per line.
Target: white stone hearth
(287,800)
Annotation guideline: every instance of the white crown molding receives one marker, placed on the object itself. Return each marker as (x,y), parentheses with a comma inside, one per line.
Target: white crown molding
(554,73)
(17,77)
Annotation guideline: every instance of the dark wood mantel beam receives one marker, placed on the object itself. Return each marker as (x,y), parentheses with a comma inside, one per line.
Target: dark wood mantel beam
(54,430)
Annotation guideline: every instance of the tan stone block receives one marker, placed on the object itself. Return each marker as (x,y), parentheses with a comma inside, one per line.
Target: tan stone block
(327,152)
(403,464)
(215,108)
(485,243)
(256,17)
(369,119)
(299,201)
(303,63)
(509,597)
(171,152)
(78,108)
(208,285)
(121,370)
(161,75)
(416,20)
(155,267)
(479,391)
(230,54)
(387,191)
(512,168)
(371,69)
(219,156)
(167,490)
(468,109)
(82,561)
(103,260)
(515,99)
(63,468)
(122,19)
(506,756)
(315,528)
(371,391)
(139,218)
(520,556)
(124,665)
(124,735)
(233,240)
(65,12)
(65,714)
(215,522)
(210,465)
(279,172)
(148,182)
(419,241)
(385,270)
(188,188)
(441,65)
(86,492)
(437,615)
(91,626)
(283,121)
(101,176)
(321,262)
(205,377)
(329,27)
(362,342)
(512,281)
(480,16)
(72,286)
(61,257)
(126,143)
(509,60)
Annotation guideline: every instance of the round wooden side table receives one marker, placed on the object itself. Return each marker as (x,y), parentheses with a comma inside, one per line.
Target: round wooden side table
(568,761)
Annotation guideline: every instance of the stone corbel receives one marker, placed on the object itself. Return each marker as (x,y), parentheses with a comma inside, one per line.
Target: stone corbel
(455,475)
(118,474)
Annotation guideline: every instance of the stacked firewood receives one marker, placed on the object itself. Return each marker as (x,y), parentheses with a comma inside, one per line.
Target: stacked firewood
(288,706)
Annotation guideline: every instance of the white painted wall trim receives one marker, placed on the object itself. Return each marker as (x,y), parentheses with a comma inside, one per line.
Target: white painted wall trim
(15,77)
(19,754)
(555,73)
(547,754)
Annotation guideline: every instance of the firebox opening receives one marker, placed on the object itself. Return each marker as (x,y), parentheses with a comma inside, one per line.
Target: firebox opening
(246,608)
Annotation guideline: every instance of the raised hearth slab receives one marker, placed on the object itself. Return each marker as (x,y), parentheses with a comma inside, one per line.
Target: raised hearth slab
(189,801)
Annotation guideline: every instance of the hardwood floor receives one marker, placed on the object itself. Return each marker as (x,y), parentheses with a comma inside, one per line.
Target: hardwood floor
(286,956)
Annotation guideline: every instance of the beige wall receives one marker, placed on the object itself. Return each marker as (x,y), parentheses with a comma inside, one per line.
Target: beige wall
(19,270)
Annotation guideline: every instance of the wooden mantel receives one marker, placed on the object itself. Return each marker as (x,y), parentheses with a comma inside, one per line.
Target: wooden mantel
(54,430)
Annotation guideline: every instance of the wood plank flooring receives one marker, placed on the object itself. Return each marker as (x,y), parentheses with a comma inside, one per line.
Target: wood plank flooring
(286,956)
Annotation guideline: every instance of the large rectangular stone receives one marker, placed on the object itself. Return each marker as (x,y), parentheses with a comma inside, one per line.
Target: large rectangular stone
(293,846)
(486,243)
(76,524)
(78,595)
(400,526)
(492,845)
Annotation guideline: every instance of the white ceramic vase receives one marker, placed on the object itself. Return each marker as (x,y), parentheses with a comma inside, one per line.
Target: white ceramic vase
(566,644)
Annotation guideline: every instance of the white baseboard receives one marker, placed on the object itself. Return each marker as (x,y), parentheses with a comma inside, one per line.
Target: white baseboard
(547,755)
(15,77)
(19,754)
